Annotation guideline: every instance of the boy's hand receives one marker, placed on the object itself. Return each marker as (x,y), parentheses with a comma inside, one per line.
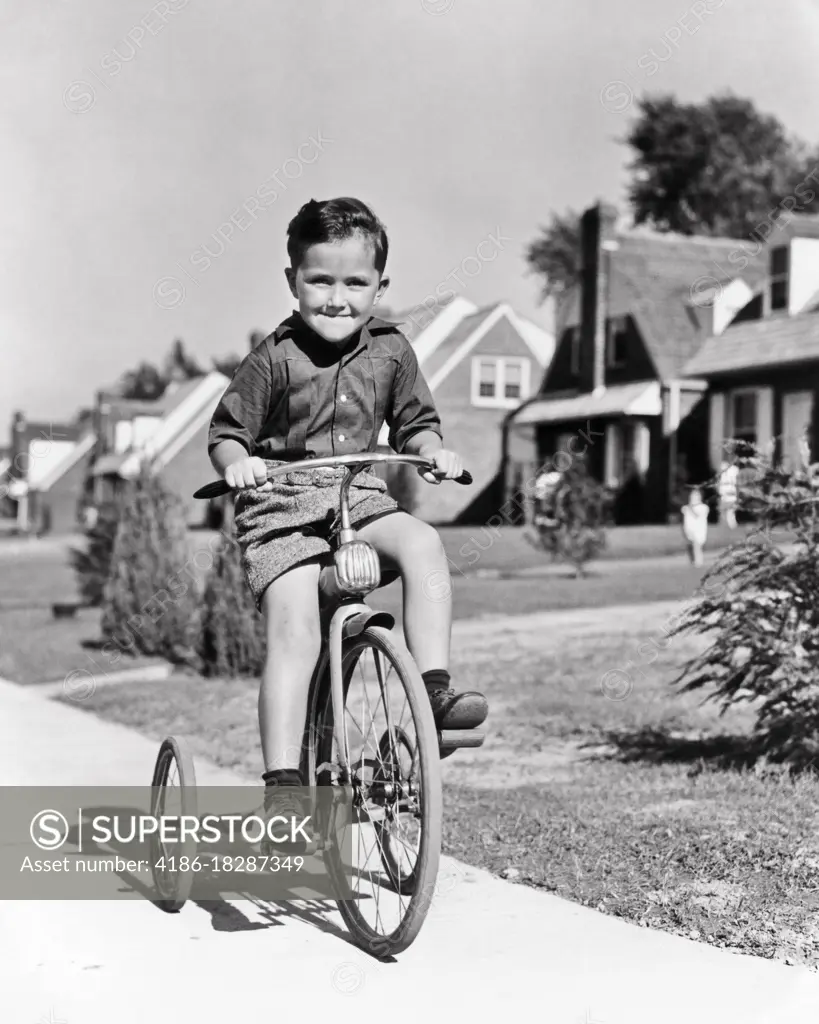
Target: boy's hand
(246,473)
(448,466)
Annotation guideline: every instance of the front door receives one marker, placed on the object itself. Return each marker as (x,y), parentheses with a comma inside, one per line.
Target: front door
(797,416)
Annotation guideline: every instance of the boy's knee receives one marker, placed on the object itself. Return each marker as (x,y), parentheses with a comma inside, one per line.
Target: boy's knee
(294,635)
(425,545)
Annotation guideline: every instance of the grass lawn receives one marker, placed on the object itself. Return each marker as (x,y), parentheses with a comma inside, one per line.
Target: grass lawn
(35,647)
(645,807)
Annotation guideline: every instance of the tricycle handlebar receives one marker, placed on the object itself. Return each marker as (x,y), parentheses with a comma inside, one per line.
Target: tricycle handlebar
(220,487)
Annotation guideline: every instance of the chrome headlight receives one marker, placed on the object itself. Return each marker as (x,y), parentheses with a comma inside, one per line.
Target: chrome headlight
(358,570)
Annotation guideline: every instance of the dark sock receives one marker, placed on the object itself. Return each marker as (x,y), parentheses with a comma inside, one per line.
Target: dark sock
(282,777)
(279,777)
(436,679)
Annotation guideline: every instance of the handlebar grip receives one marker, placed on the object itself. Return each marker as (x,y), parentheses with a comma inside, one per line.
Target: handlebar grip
(464,478)
(214,490)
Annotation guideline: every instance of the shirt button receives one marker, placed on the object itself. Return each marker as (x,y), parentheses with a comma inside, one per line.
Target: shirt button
(341,437)
(343,398)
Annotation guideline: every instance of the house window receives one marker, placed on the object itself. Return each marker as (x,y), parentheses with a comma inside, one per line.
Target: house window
(499,381)
(779,273)
(616,341)
(574,351)
(487,379)
(513,381)
(743,416)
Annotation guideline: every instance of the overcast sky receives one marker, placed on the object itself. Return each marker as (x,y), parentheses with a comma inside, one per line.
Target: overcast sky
(455,119)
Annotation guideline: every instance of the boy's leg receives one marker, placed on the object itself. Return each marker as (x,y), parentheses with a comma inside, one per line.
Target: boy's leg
(417,550)
(290,607)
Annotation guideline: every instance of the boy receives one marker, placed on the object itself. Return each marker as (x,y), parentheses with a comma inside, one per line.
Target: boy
(323,384)
(695,525)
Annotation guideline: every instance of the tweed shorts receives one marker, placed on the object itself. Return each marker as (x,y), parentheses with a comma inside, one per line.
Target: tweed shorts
(280,529)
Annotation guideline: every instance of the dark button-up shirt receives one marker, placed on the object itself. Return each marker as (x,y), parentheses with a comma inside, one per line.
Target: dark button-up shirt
(296,395)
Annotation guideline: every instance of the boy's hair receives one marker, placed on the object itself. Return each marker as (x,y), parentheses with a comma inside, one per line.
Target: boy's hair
(333,220)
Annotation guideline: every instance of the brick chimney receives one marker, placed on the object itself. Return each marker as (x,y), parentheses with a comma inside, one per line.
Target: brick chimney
(597,240)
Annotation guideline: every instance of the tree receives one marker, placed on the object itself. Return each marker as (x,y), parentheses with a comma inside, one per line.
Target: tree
(149,604)
(92,564)
(232,639)
(579,512)
(228,366)
(146,383)
(555,255)
(759,608)
(179,364)
(717,168)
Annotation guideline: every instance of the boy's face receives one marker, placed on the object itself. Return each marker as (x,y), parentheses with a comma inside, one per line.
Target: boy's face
(337,285)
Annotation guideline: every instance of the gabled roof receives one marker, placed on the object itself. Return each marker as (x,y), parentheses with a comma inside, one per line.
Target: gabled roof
(655,277)
(192,403)
(46,430)
(455,332)
(431,336)
(67,461)
(127,408)
(774,341)
(454,346)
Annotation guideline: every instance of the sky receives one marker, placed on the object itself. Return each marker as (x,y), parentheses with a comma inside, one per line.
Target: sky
(153,155)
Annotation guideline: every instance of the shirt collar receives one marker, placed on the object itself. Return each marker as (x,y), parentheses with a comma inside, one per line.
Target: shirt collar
(295,324)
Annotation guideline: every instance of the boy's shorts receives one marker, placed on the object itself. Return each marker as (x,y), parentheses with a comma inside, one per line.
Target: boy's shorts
(289,525)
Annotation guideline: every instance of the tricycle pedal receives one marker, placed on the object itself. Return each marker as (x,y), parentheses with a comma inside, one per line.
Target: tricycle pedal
(449,740)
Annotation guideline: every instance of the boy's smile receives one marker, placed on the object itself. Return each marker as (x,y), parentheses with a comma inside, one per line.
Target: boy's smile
(337,285)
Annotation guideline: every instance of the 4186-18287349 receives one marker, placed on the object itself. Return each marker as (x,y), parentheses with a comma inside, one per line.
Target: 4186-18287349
(217,864)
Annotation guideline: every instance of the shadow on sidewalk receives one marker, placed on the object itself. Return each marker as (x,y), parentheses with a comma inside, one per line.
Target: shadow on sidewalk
(226,916)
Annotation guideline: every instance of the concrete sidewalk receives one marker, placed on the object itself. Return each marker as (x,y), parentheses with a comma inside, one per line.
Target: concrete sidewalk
(488,947)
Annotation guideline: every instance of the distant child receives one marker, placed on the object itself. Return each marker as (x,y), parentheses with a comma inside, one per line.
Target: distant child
(695,525)
(545,487)
(728,494)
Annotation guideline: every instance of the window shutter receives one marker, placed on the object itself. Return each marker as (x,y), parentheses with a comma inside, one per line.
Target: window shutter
(764,417)
(716,428)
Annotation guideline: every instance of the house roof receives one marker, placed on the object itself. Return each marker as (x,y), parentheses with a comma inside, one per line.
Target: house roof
(174,395)
(67,461)
(190,405)
(455,345)
(110,463)
(458,328)
(655,277)
(642,398)
(754,344)
(798,225)
(48,430)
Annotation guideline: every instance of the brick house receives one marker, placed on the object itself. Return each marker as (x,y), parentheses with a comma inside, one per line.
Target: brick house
(170,432)
(762,371)
(644,305)
(479,364)
(44,473)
